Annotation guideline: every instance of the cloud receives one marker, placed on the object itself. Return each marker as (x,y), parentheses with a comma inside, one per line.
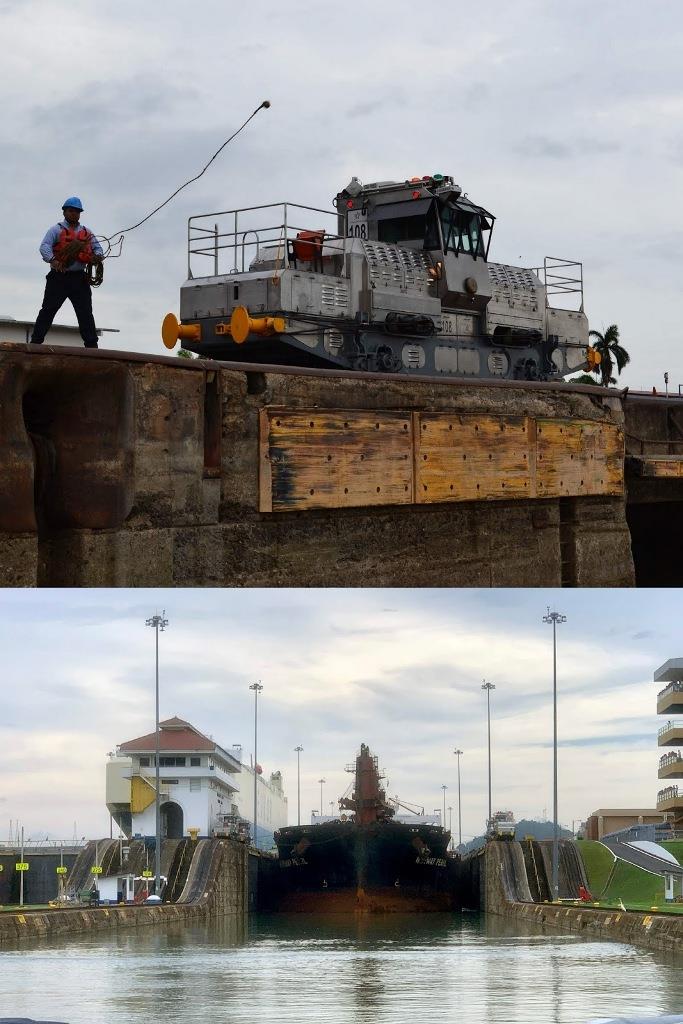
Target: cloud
(577,130)
(410,687)
(541,146)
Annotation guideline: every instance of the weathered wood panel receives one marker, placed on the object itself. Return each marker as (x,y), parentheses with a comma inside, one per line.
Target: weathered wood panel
(470,458)
(659,467)
(575,457)
(323,459)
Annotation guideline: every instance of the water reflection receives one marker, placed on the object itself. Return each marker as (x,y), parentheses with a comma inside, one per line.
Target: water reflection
(341,970)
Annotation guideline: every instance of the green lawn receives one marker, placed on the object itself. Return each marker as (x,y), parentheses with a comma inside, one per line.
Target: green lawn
(674,846)
(633,885)
(598,862)
(628,884)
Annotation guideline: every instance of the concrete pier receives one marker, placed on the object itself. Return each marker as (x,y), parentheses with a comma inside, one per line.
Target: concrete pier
(123,470)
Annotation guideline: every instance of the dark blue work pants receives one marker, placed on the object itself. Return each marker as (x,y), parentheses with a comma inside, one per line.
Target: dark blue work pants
(59,286)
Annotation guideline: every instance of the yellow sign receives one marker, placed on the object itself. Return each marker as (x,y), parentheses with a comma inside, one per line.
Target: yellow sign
(148,874)
(21,867)
(95,870)
(62,871)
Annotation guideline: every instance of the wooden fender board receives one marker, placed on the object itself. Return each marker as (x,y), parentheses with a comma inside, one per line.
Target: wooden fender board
(357,458)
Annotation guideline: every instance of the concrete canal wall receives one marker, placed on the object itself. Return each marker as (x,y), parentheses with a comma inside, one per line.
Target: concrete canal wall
(123,470)
(217,886)
(41,881)
(501,872)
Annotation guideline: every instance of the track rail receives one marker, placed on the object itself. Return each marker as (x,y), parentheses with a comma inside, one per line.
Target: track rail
(309,371)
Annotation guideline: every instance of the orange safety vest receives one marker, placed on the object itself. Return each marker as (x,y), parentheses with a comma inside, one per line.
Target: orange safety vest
(68,235)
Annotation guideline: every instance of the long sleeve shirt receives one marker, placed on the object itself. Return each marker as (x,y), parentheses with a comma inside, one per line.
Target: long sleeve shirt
(53,233)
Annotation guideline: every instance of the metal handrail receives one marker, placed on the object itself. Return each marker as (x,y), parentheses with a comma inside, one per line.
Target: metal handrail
(667,728)
(675,687)
(219,240)
(670,793)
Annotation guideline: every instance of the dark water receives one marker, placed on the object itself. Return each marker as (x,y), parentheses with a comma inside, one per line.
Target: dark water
(281,970)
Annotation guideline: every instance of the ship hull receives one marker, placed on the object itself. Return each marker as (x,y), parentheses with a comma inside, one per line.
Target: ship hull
(382,867)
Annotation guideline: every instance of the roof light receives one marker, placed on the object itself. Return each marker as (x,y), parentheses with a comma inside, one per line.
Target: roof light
(437,177)
(426,177)
(414,179)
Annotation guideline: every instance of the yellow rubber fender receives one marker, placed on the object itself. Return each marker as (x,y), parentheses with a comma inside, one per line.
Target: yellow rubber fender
(173,331)
(593,357)
(242,324)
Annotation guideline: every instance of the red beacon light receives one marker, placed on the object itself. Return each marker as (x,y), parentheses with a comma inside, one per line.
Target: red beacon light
(416,194)
(349,204)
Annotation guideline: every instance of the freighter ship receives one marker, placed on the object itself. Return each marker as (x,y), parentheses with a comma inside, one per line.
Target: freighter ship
(365,861)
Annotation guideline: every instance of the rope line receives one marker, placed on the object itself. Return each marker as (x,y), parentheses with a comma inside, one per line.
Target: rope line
(116,238)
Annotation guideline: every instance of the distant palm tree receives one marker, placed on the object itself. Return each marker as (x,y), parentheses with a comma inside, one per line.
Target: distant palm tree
(611,353)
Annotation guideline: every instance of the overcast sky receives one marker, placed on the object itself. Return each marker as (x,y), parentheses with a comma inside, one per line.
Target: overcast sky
(400,670)
(563,119)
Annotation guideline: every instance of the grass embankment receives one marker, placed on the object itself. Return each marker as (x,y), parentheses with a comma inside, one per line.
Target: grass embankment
(612,883)
(674,846)
(598,862)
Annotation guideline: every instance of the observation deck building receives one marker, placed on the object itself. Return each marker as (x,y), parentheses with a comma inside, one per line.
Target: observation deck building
(670,703)
(202,785)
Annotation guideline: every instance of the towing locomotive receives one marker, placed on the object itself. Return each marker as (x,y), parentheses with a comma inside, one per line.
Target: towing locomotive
(396,279)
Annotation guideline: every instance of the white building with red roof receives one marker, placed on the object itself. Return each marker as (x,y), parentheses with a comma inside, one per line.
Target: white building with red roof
(202,786)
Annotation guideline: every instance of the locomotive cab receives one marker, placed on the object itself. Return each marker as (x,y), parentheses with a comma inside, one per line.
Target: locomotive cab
(428,214)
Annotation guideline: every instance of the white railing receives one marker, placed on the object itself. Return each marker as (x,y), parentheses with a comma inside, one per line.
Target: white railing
(671,688)
(666,728)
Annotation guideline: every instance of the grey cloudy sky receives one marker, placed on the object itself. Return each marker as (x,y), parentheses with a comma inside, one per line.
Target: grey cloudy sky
(398,669)
(563,119)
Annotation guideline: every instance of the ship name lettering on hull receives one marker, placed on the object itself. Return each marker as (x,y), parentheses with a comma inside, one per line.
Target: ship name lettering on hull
(294,862)
(434,862)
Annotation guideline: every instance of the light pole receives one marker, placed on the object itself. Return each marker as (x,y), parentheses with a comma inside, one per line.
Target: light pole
(298,784)
(488,687)
(450,826)
(443,820)
(322,782)
(158,624)
(458,754)
(256,687)
(554,618)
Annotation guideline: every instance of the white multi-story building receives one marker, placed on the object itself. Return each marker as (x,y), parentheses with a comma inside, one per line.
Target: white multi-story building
(203,786)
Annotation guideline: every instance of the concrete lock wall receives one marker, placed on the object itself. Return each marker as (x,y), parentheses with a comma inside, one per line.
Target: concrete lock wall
(223,892)
(120,470)
(506,894)
(41,881)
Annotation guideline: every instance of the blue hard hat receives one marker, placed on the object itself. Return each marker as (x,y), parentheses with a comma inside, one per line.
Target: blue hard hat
(73,201)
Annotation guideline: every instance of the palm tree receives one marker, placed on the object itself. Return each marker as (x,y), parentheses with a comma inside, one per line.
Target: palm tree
(611,353)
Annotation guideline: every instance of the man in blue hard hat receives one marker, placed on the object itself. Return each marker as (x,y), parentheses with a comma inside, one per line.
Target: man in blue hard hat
(69,247)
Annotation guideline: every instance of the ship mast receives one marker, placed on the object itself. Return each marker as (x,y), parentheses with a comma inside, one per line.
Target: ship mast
(369,802)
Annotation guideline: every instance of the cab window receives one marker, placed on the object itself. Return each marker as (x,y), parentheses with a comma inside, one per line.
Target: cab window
(463,232)
(412,226)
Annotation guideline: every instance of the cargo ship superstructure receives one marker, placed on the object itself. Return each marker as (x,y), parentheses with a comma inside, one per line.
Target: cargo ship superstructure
(365,861)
